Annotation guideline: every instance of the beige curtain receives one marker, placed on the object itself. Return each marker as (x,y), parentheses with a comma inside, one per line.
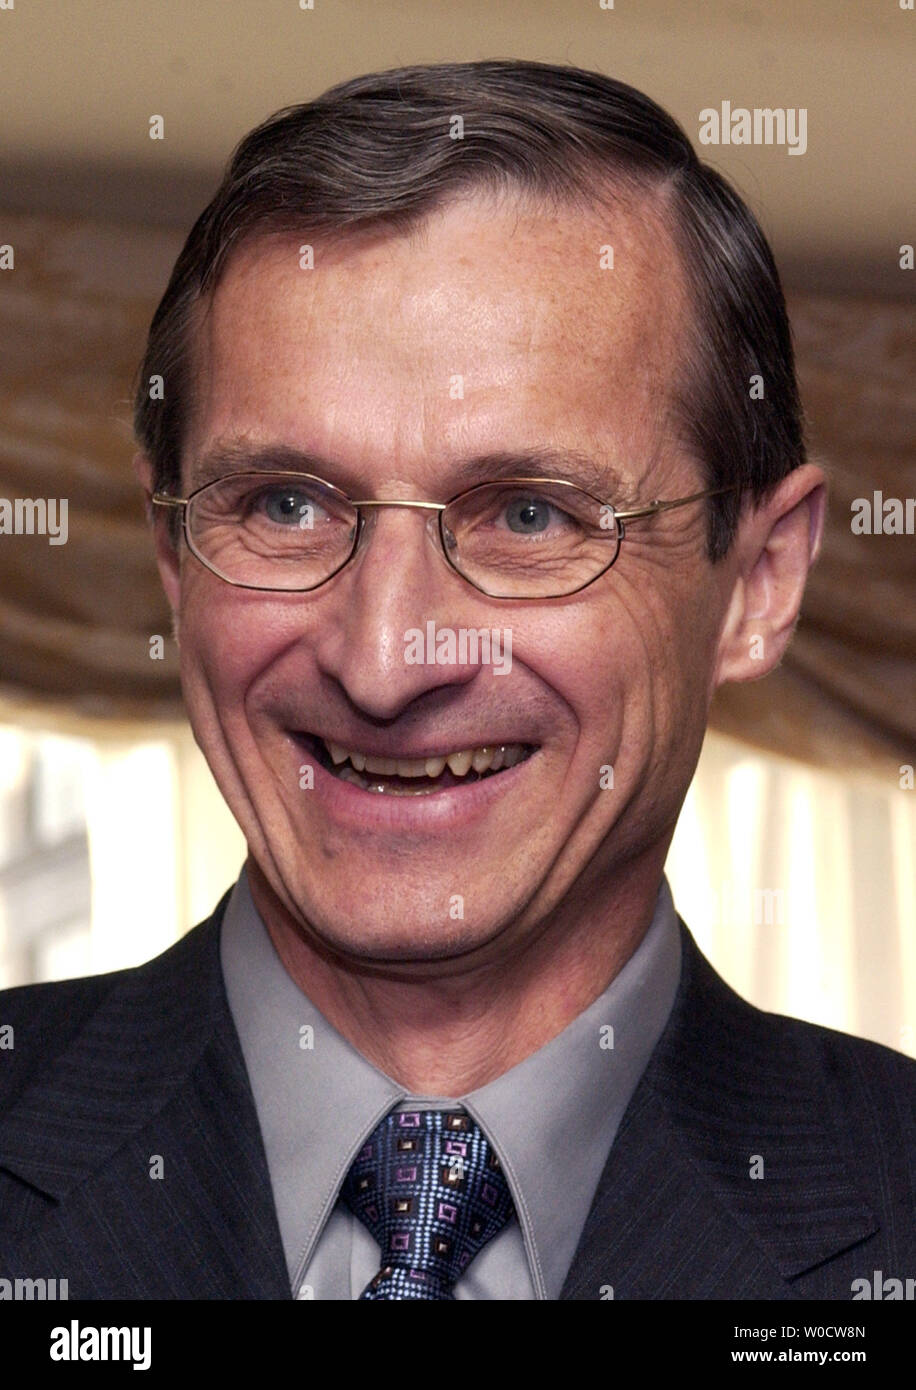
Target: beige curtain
(798,884)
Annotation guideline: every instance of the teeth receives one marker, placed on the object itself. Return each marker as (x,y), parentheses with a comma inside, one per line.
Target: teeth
(481,759)
(388,765)
(412,767)
(486,758)
(460,763)
(347,774)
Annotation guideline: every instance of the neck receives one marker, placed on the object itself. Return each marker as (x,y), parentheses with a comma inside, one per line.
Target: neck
(445,1035)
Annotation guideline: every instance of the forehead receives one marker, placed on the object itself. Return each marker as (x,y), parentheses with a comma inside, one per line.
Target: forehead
(494,323)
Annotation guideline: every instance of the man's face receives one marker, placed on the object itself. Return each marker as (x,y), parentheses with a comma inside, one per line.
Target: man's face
(356,361)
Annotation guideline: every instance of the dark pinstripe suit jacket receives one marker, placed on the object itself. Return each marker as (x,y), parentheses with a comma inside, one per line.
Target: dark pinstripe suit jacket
(109,1073)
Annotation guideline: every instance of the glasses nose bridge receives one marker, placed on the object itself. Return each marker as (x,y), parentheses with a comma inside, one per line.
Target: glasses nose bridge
(372,504)
(401,502)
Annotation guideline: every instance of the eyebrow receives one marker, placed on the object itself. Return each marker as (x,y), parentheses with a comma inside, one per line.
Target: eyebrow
(572,465)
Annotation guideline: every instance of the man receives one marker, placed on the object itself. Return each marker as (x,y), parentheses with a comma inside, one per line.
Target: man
(464,507)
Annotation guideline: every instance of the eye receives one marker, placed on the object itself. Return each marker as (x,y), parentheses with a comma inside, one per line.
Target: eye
(290,507)
(528,516)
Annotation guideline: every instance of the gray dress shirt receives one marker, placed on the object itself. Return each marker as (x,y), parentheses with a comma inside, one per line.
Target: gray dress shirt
(551,1119)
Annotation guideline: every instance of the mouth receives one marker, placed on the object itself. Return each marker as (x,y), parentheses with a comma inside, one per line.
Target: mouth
(389,776)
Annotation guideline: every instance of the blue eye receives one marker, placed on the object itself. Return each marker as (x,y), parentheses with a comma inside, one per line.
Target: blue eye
(288,507)
(528,514)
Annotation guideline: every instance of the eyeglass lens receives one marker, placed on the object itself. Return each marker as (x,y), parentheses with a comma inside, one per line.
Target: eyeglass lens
(512,539)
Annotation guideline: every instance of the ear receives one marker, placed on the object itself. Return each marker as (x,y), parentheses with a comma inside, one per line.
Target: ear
(776,545)
(167,557)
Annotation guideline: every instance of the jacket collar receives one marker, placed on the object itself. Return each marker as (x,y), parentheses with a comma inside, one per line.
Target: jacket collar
(725,1083)
(729,1092)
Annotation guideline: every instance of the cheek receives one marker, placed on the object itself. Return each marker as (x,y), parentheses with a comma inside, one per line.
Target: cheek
(228,638)
(598,666)
(630,684)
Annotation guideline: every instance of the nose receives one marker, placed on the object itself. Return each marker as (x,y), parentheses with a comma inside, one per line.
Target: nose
(397,582)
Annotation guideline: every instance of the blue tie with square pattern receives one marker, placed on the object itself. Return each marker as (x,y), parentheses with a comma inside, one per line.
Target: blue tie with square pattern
(431,1191)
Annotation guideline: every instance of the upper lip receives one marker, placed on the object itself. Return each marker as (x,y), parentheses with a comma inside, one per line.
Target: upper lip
(427,750)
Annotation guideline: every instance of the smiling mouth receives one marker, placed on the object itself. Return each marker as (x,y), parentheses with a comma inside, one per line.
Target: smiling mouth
(415,776)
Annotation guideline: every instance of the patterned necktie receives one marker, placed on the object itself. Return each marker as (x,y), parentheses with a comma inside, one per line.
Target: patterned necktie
(432,1193)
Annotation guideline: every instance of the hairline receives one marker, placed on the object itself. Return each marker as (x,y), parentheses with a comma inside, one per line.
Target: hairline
(596,188)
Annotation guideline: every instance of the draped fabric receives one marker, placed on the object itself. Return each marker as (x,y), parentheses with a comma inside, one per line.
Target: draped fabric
(76,619)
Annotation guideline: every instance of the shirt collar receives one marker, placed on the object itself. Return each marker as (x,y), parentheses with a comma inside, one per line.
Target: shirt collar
(552,1118)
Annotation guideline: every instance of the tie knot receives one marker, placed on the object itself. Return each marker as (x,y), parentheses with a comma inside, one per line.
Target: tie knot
(431,1191)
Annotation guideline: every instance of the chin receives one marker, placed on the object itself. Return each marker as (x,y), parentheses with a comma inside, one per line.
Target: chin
(373,940)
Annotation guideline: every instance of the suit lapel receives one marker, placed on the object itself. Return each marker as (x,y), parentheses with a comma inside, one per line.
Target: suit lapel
(726,1179)
(134,1167)
(135,1162)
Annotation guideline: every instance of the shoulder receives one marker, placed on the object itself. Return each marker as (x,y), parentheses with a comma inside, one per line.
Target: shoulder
(41,1021)
(866,1084)
(717,1037)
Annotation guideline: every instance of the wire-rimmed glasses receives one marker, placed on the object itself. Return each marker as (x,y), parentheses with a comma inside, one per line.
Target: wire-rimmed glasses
(517,538)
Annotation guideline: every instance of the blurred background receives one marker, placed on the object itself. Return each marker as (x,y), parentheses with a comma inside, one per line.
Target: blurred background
(793,862)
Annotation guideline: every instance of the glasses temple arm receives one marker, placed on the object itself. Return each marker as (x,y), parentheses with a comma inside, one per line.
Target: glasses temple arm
(652,507)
